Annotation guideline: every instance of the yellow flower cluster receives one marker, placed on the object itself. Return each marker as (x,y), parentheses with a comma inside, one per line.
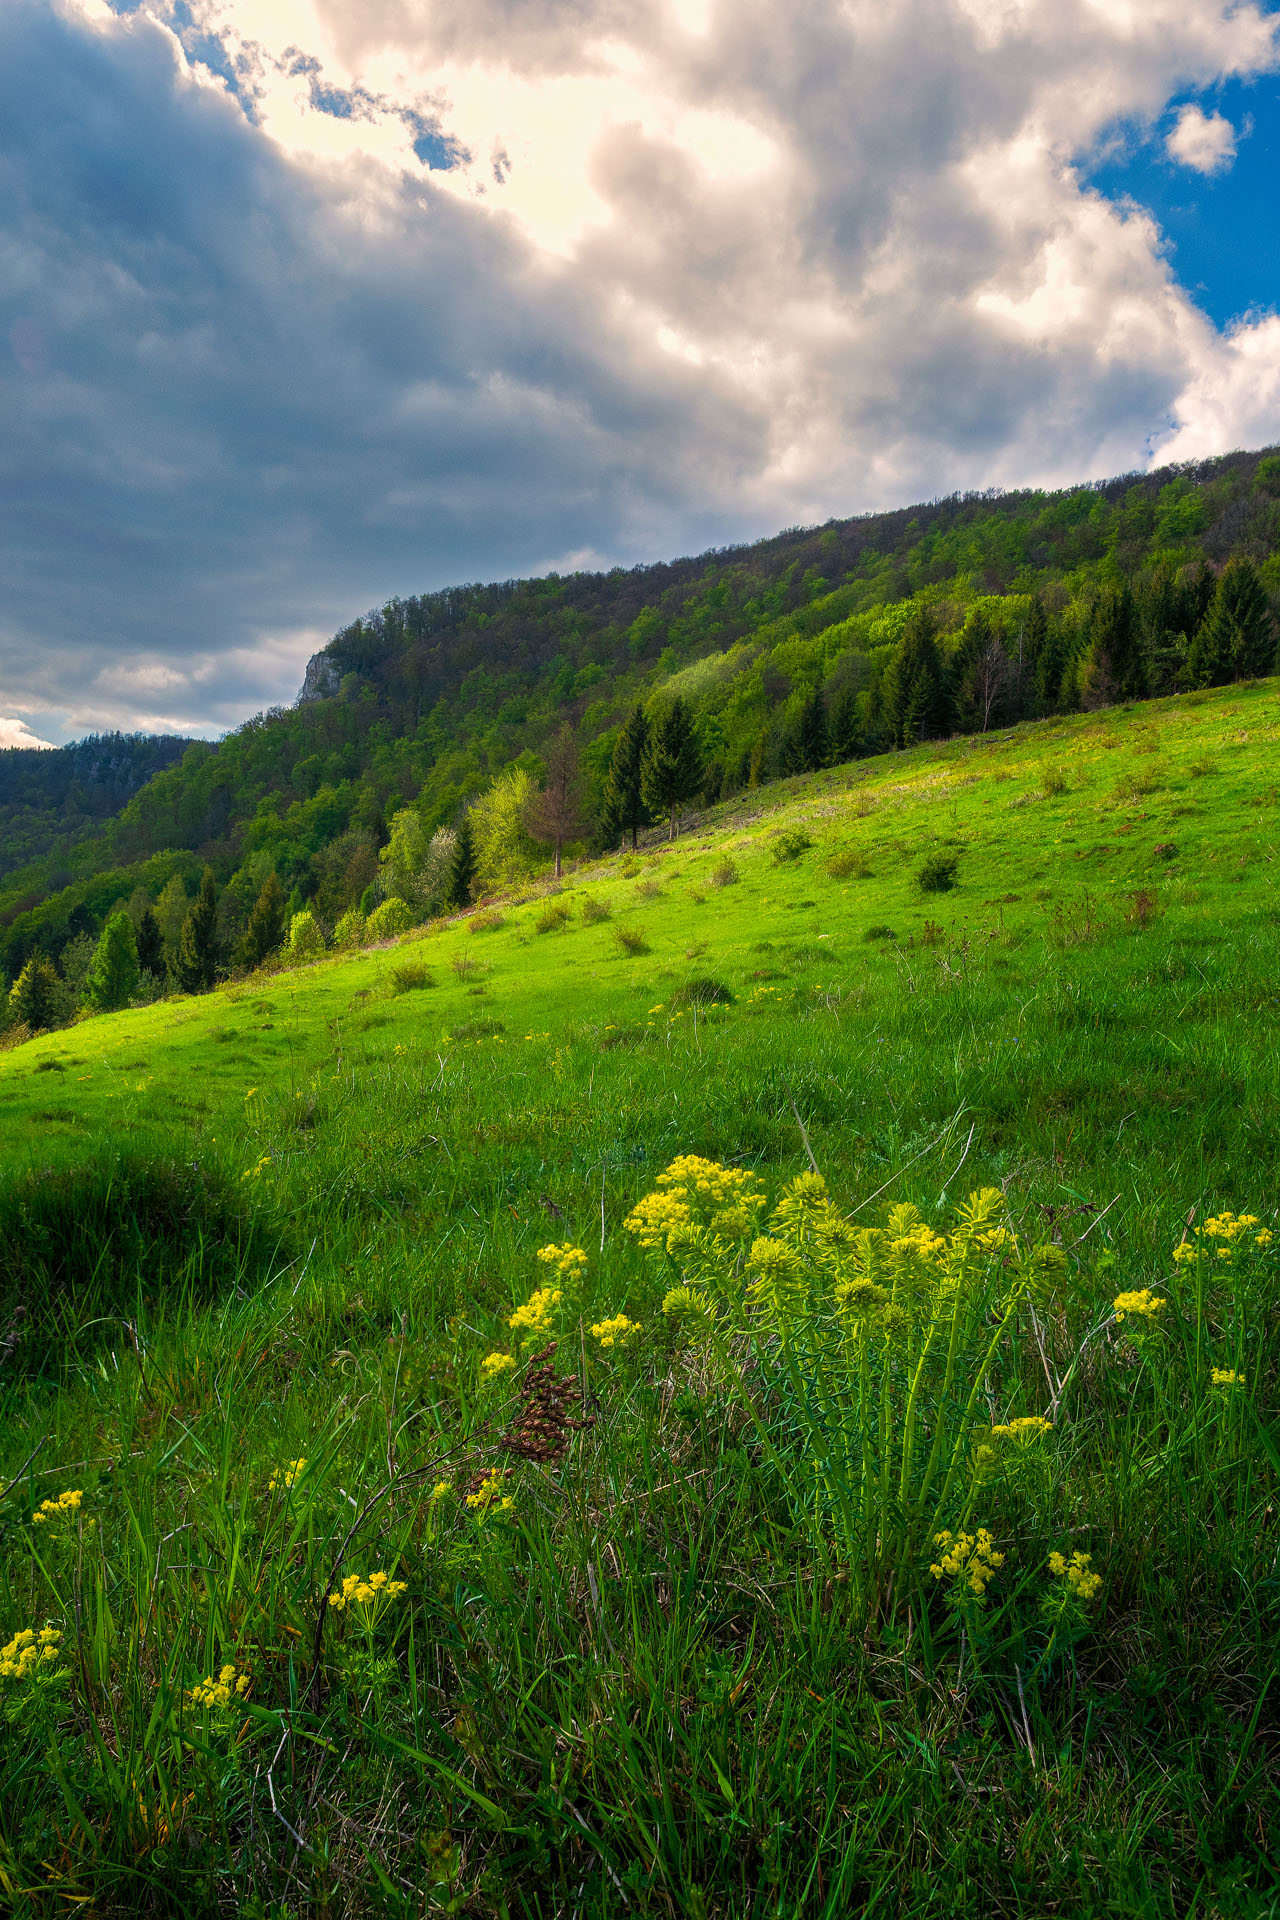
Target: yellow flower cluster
(27,1650)
(968,1558)
(1028,1426)
(534,1317)
(1228,1228)
(287,1476)
(360,1590)
(220,1692)
(659,1221)
(1077,1572)
(441,1489)
(494,1365)
(488,1496)
(689,1304)
(615,1332)
(63,1508)
(1142,1302)
(1226,1377)
(693,1192)
(568,1261)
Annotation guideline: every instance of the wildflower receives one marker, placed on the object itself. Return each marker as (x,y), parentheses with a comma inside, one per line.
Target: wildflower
(859,1298)
(63,1508)
(1185,1252)
(28,1651)
(615,1332)
(1142,1302)
(967,1558)
(369,1594)
(494,1365)
(570,1262)
(1226,1377)
(441,1489)
(1264,1238)
(286,1477)
(228,1685)
(488,1496)
(534,1317)
(689,1304)
(1028,1426)
(1080,1582)
(1229,1226)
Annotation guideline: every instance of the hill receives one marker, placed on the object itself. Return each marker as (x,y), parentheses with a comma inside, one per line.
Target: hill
(1030,604)
(55,797)
(436,1490)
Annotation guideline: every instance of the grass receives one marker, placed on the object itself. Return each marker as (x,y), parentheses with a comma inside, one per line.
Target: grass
(288,1221)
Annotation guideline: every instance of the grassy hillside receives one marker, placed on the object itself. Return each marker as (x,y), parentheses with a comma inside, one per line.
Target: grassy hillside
(425,700)
(682,1672)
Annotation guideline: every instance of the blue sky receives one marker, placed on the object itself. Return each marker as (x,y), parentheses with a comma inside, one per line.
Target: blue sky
(306,303)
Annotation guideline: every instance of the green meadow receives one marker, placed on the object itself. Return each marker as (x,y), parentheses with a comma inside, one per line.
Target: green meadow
(643,1645)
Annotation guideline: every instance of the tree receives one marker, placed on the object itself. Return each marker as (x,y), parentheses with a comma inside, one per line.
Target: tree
(846,732)
(462,870)
(265,929)
(672,769)
(504,851)
(913,692)
(150,943)
(416,866)
(197,958)
(1236,640)
(305,942)
(1116,665)
(113,977)
(555,813)
(37,998)
(171,911)
(623,808)
(393,917)
(813,740)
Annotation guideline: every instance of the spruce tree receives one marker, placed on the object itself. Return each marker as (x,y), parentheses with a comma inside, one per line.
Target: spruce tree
(845,734)
(462,872)
(1236,640)
(265,928)
(197,961)
(150,943)
(672,769)
(913,693)
(37,998)
(623,808)
(812,736)
(113,976)
(1116,668)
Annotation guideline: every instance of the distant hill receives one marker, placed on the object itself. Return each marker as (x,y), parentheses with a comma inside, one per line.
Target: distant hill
(802,649)
(56,796)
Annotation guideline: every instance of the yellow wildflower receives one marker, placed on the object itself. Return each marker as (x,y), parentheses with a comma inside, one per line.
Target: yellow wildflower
(63,1508)
(28,1650)
(1226,1377)
(534,1317)
(1264,1238)
(1185,1252)
(615,1332)
(286,1477)
(1229,1226)
(1028,1426)
(441,1489)
(570,1262)
(495,1364)
(369,1593)
(489,1497)
(967,1558)
(1076,1573)
(220,1690)
(1142,1302)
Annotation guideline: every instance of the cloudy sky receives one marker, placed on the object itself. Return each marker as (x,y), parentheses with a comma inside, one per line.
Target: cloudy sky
(304,303)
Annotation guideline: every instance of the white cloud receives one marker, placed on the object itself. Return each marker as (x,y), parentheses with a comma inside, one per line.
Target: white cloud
(702,268)
(1204,141)
(16,733)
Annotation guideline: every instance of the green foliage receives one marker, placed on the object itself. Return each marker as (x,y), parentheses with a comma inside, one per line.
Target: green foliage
(411,977)
(790,845)
(37,1000)
(848,863)
(392,918)
(462,870)
(351,931)
(1237,638)
(937,872)
(631,940)
(265,930)
(914,693)
(113,977)
(671,771)
(504,852)
(306,941)
(554,915)
(195,966)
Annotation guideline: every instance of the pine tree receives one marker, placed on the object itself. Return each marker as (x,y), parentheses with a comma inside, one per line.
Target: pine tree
(37,998)
(113,976)
(672,769)
(197,961)
(914,695)
(623,808)
(150,942)
(1116,667)
(265,928)
(554,814)
(1049,668)
(845,734)
(462,873)
(1236,640)
(813,742)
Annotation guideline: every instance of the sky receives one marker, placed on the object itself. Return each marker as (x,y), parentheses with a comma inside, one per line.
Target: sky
(306,303)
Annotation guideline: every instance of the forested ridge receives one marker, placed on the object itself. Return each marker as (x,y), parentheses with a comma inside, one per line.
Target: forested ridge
(816,646)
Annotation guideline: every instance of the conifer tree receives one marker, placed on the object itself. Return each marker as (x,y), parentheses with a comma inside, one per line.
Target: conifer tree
(845,734)
(672,769)
(1116,667)
(913,693)
(462,873)
(813,740)
(113,976)
(554,814)
(37,998)
(623,808)
(1236,640)
(197,961)
(265,928)
(150,943)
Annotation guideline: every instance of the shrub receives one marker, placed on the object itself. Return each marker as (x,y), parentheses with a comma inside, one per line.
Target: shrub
(937,873)
(703,992)
(37,998)
(410,977)
(351,931)
(724,873)
(305,942)
(879,933)
(595,910)
(1202,768)
(463,963)
(1053,781)
(391,918)
(487,922)
(554,915)
(791,844)
(631,939)
(849,863)
(650,889)
(629,867)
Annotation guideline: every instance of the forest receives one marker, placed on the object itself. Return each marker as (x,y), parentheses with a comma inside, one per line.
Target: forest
(439,715)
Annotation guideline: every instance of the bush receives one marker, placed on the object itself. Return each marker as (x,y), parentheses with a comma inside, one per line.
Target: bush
(724,874)
(351,931)
(937,873)
(791,844)
(850,863)
(879,933)
(595,910)
(305,942)
(703,992)
(1053,781)
(463,963)
(391,918)
(650,889)
(487,922)
(554,915)
(410,977)
(38,1000)
(631,939)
